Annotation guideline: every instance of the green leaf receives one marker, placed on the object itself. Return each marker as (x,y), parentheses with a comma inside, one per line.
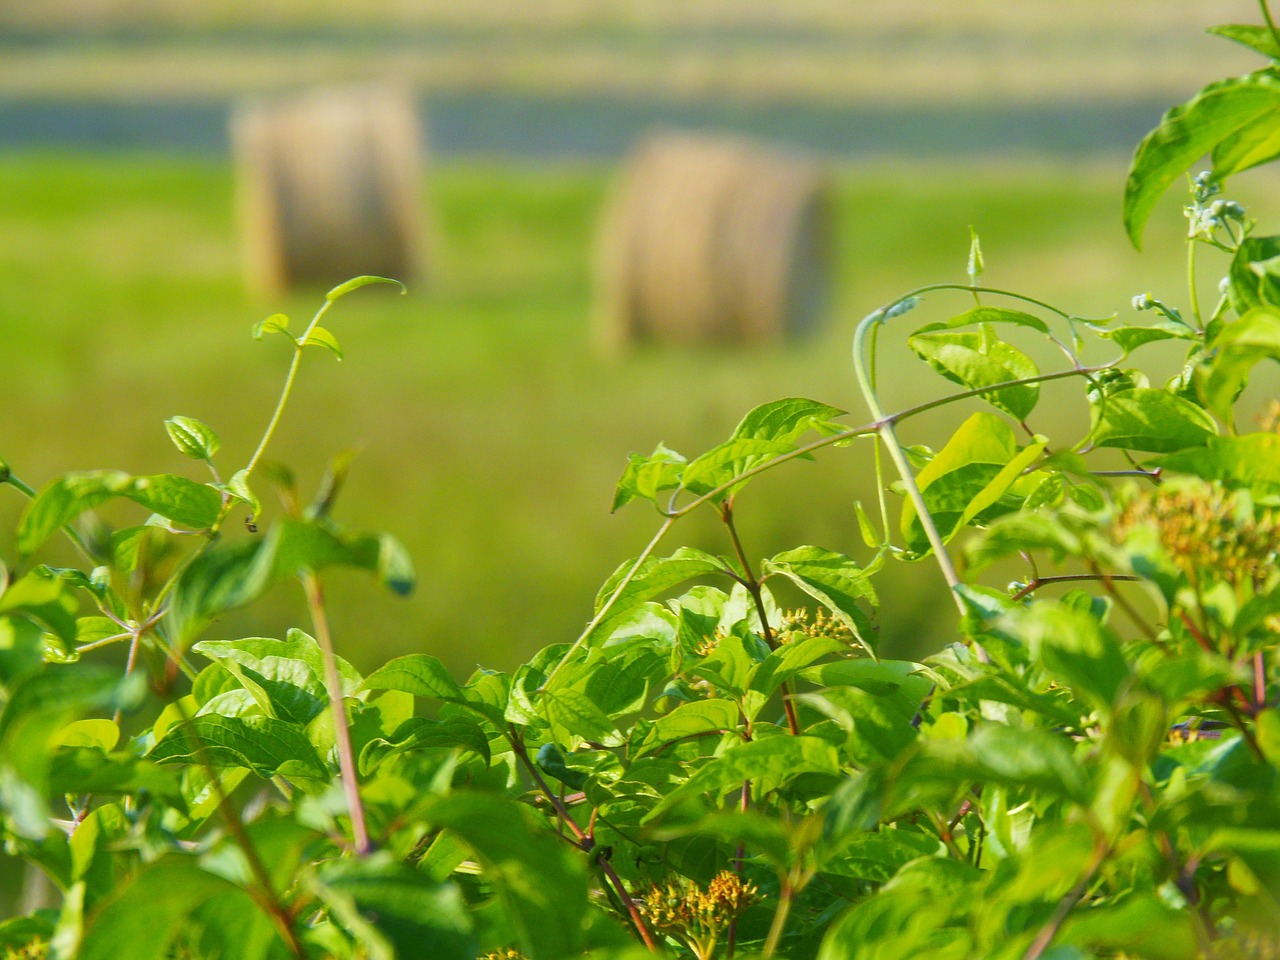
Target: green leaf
(178,499)
(42,597)
(192,437)
(573,718)
(265,745)
(768,764)
(1150,420)
(984,315)
(238,486)
(976,264)
(1254,280)
(355,283)
(653,578)
(1189,131)
(646,477)
(1251,146)
(980,359)
(786,420)
(832,579)
(540,881)
(414,915)
(994,753)
(1139,926)
(418,674)
(878,726)
(1129,339)
(222,578)
(276,323)
(1236,349)
(691,720)
(63,500)
(1252,460)
(420,733)
(142,919)
(978,465)
(1253,36)
(320,337)
(766,432)
(288,673)
(1075,647)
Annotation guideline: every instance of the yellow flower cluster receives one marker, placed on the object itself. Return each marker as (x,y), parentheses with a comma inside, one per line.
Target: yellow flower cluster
(696,916)
(816,624)
(1207,531)
(508,954)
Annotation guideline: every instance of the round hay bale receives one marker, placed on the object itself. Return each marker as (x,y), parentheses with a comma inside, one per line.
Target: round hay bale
(328,187)
(710,240)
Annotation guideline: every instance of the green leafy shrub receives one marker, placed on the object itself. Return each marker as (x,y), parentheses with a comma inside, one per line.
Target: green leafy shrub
(1090,770)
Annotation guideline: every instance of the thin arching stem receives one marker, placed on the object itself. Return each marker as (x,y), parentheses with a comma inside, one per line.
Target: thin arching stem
(298,347)
(341,732)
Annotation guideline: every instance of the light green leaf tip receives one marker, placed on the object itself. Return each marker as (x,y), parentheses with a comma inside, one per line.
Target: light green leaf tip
(355,283)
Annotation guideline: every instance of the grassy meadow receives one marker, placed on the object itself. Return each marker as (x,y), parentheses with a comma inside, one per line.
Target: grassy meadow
(491,434)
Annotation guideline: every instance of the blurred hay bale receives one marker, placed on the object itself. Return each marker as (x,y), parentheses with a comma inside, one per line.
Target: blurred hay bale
(328,187)
(710,240)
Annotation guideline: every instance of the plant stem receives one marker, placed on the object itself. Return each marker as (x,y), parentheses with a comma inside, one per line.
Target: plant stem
(1038,582)
(266,896)
(779,919)
(1191,284)
(1271,24)
(608,604)
(581,841)
(288,388)
(753,587)
(341,732)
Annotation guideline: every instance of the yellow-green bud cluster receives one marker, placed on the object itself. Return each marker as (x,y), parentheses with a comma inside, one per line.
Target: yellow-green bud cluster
(818,623)
(1207,531)
(696,916)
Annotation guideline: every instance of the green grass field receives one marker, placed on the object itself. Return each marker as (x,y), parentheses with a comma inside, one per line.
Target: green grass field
(491,433)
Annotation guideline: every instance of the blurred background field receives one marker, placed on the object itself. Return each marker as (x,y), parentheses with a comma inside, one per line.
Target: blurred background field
(491,431)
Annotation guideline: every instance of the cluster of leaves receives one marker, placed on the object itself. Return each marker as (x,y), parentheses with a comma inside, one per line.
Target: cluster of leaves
(704,772)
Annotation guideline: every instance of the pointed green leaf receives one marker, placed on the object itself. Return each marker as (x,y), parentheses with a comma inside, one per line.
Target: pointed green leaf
(418,674)
(192,437)
(976,467)
(1189,131)
(355,283)
(1150,420)
(654,577)
(320,337)
(980,359)
(981,315)
(691,720)
(1253,36)
(1236,350)
(63,500)
(1252,460)
(238,485)
(1254,273)
(177,499)
(289,673)
(646,477)
(276,323)
(267,746)
(413,914)
(768,764)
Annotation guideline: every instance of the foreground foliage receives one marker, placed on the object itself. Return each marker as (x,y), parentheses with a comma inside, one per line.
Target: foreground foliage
(1089,771)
